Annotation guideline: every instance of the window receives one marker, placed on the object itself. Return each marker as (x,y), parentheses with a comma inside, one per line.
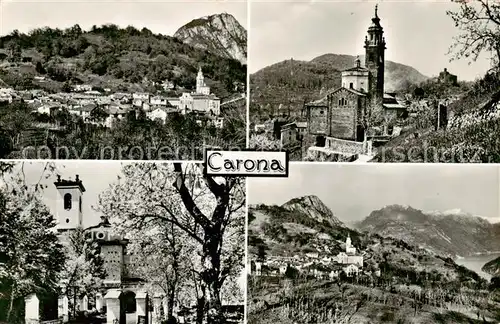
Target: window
(321,112)
(351,85)
(67,201)
(80,204)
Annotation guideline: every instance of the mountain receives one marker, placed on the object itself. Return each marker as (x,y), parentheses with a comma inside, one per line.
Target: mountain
(220,34)
(449,233)
(292,83)
(314,208)
(492,267)
(300,225)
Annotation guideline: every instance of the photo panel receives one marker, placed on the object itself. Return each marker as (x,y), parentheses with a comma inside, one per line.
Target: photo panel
(122,80)
(111,242)
(393,81)
(378,243)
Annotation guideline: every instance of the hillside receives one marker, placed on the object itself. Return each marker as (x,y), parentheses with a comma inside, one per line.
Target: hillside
(450,234)
(300,225)
(492,267)
(220,34)
(292,83)
(471,134)
(111,57)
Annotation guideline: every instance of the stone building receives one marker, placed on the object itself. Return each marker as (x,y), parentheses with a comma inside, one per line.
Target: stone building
(447,78)
(342,112)
(122,291)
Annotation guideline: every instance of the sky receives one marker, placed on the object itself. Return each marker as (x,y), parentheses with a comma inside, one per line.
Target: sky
(352,191)
(417,33)
(96,178)
(160,16)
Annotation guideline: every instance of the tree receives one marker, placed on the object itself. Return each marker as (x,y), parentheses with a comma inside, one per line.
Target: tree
(161,251)
(30,253)
(14,50)
(39,68)
(479,22)
(209,210)
(84,267)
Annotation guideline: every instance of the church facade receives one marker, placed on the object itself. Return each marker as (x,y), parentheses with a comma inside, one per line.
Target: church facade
(121,286)
(343,112)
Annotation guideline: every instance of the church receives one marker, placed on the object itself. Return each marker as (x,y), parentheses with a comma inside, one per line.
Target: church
(122,292)
(344,113)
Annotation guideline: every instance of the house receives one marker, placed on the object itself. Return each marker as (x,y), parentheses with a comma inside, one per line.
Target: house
(289,134)
(114,114)
(48,109)
(160,112)
(82,87)
(351,270)
(143,96)
(159,100)
(312,255)
(218,122)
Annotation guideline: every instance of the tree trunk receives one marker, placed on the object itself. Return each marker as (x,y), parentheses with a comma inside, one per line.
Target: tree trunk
(11,304)
(170,302)
(200,309)
(211,274)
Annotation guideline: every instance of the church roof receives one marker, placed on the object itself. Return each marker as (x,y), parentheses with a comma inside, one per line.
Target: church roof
(69,183)
(356,92)
(324,101)
(320,102)
(357,69)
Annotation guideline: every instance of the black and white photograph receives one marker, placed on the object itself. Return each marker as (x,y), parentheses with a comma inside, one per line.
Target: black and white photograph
(120,243)
(385,243)
(367,81)
(122,80)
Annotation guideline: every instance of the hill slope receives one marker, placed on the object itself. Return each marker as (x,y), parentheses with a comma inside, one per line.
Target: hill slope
(220,34)
(448,234)
(109,56)
(492,267)
(295,82)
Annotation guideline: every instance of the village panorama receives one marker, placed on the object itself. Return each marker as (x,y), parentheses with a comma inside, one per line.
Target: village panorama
(351,250)
(338,107)
(113,92)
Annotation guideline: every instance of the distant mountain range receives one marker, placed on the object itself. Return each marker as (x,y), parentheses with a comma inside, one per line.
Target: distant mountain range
(220,34)
(451,233)
(291,83)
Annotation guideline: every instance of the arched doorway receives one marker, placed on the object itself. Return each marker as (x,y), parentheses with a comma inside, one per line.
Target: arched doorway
(127,307)
(320,141)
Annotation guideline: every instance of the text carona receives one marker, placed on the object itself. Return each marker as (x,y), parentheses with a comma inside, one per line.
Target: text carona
(249,165)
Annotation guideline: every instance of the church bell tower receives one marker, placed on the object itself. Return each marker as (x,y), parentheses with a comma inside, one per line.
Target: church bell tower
(69,203)
(374,60)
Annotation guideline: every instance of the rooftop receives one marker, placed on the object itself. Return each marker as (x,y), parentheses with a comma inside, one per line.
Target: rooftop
(69,183)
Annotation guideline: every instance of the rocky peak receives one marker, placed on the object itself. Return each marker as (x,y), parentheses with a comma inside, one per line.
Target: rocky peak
(313,207)
(220,34)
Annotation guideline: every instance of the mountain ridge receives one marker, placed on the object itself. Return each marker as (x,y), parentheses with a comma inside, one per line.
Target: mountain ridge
(295,82)
(450,234)
(220,34)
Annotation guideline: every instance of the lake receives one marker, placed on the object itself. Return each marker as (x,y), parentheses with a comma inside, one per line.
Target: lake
(476,262)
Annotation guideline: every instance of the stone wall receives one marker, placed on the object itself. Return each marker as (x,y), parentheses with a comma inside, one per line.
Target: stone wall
(344,118)
(343,146)
(318,120)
